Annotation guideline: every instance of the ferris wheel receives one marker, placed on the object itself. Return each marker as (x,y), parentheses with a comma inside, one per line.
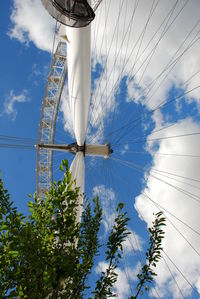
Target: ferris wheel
(151,126)
(75,61)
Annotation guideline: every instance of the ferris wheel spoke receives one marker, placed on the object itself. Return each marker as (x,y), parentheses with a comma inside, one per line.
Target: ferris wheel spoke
(135,122)
(179,232)
(186,240)
(142,140)
(120,75)
(181,273)
(143,170)
(116,54)
(178,270)
(96,98)
(173,277)
(166,210)
(111,181)
(160,207)
(149,57)
(123,68)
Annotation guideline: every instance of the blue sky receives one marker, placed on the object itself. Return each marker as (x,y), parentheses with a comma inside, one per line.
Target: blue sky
(143,55)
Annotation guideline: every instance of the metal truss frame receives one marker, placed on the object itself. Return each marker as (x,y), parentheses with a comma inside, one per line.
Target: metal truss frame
(50,106)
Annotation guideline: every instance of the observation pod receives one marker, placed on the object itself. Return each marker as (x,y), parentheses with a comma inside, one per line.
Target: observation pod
(72,13)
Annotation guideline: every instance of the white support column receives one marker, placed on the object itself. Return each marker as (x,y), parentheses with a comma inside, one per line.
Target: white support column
(77,169)
(79,78)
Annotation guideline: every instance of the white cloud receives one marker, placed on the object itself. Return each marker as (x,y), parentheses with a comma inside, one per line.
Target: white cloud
(108,203)
(66,110)
(11,101)
(132,243)
(183,203)
(31,23)
(124,279)
(107,198)
(37,73)
(125,149)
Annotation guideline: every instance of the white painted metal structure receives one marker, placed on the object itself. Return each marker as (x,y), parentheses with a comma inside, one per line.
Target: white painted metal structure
(79,78)
(48,118)
(78,55)
(79,85)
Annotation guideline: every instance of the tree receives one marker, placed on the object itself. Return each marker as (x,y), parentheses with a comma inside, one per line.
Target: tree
(153,254)
(49,255)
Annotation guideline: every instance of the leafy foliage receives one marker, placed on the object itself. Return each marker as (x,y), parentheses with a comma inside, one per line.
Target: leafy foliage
(48,254)
(153,254)
(113,255)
